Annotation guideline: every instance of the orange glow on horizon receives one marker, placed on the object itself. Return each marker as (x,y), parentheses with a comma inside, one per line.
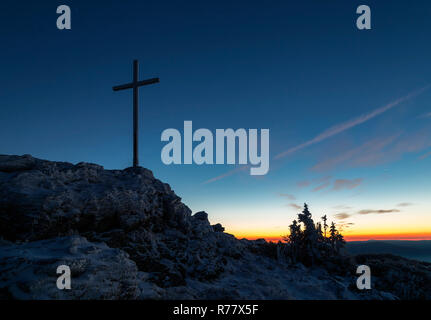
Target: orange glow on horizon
(352,237)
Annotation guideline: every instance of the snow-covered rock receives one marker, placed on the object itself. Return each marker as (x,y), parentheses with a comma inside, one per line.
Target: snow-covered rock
(28,270)
(127,235)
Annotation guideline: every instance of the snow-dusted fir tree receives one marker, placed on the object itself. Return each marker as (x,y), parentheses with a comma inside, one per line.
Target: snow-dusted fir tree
(325,225)
(339,242)
(310,236)
(333,235)
(294,240)
(309,244)
(336,239)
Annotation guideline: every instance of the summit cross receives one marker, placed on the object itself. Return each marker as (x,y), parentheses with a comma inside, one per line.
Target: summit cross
(135,85)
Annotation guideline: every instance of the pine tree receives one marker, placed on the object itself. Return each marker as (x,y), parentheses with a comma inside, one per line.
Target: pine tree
(294,239)
(305,218)
(309,235)
(295,232)
(336,239)
(333,235)
(308,244)
(319,231)
(339,242)
(325,226)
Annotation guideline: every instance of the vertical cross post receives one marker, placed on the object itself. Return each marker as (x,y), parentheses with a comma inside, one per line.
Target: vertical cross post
(135,113)
(135,86)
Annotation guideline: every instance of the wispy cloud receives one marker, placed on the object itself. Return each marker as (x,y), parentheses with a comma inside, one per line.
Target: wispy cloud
(322,181)
(404,204)
(227,174)
(414,142)
(380,211)
(338,184)
(341,184)
(303,183)
(334,130)
(321,186)
(369,153)
(342,207)
(342,216)
(344,225)
(288,196)
(330,132)
(424,156)
(379,150)
(294,206)
(345,215)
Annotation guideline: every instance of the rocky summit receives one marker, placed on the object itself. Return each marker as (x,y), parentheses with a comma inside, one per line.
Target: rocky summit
(126,235)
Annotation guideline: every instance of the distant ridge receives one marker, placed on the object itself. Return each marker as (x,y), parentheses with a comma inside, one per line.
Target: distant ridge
(418,249)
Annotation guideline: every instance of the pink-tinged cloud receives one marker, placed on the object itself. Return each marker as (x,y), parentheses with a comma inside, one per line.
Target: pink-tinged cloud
(321,187)
(414,142)
(303,184)
(424,156)
(288,196)
(342,216)
(404,204)
(306,183)
(341,184)
(369,153)
(338,184)
(344,225)
(379,150)
(294,206)
(380,211)
(342,207)
(346,215)
(227,174)
(334,130)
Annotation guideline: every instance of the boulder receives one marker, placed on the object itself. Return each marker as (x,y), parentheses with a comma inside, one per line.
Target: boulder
(29,270)
(218,227)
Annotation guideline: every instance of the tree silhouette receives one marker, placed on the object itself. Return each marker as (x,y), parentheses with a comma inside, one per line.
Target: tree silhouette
(339,242)
(325,225)
(310,237)
(310,244)
(333,235)
(294,239)
(336,239)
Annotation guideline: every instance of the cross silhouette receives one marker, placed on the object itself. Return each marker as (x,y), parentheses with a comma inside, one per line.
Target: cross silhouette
(135,85)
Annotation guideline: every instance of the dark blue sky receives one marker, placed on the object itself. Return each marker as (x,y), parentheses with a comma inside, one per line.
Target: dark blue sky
(297,68)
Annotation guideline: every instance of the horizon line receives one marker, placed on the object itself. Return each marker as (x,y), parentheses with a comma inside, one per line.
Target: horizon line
(359,237)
